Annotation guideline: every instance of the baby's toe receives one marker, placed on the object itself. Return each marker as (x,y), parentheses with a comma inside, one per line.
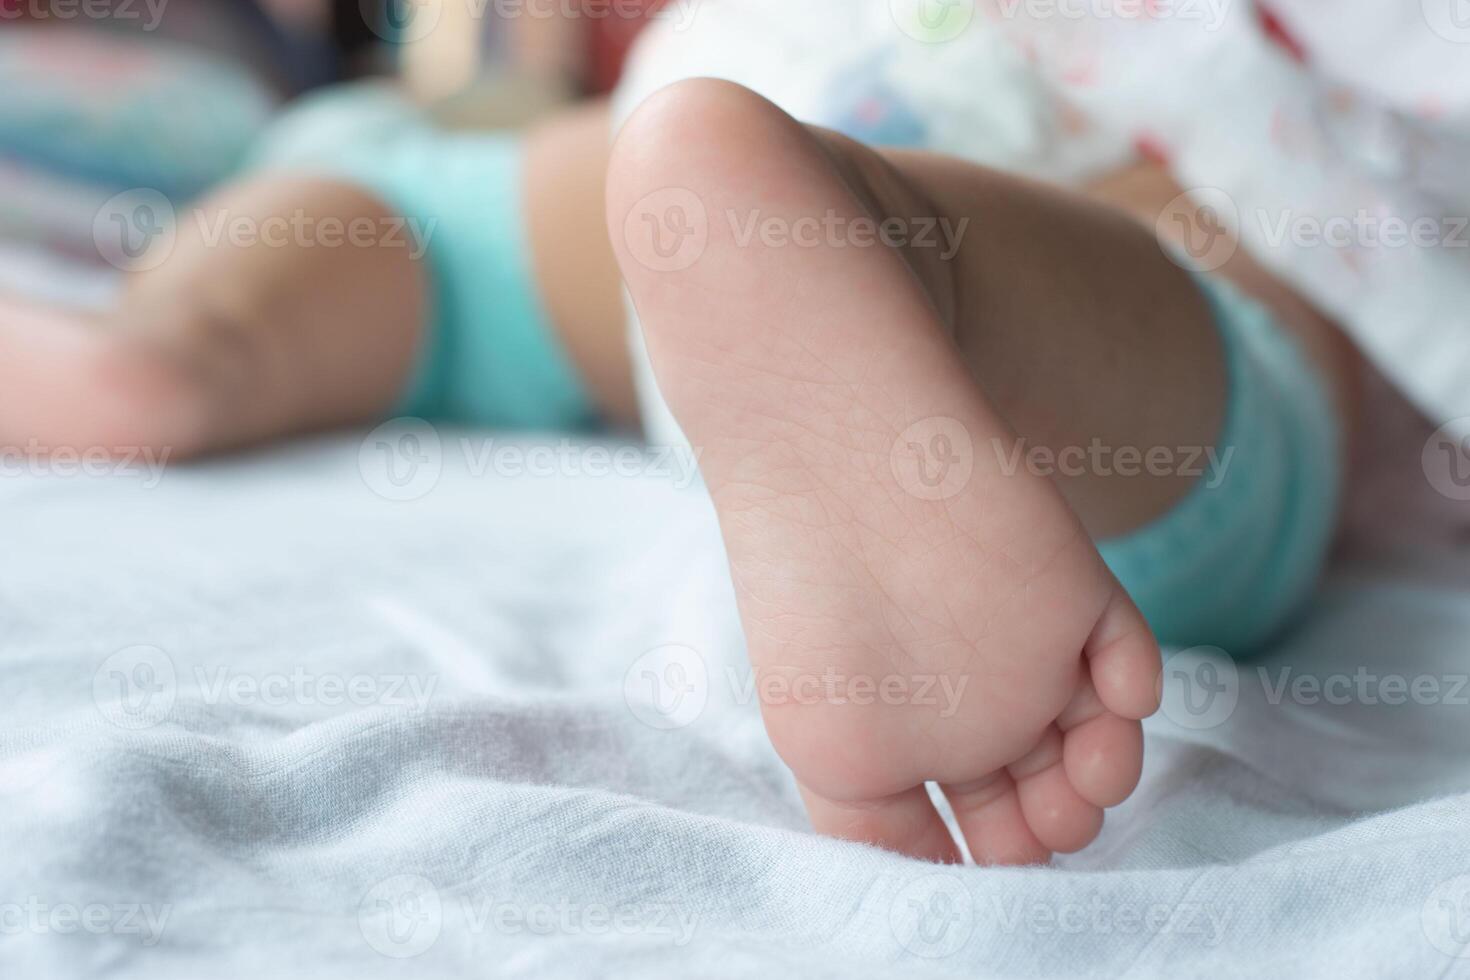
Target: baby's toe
(1102,753)
(904,822)
(1056,813)
(989,815)
(1124,658)
(1103,758)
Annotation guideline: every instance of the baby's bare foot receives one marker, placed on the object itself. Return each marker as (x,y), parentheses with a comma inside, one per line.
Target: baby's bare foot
(905,625)
(72,383)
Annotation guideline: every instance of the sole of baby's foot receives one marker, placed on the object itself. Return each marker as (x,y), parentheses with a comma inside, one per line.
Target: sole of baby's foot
(906,624)
(74,384)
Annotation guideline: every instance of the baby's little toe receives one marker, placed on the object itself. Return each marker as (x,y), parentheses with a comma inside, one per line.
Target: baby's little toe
(989,815)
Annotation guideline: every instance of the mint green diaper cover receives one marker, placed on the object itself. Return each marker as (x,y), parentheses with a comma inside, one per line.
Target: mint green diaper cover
(1229,565)
(490,355)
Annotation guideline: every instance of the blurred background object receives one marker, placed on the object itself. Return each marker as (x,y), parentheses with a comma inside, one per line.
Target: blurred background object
(500,61)
(577,45)
(116,96)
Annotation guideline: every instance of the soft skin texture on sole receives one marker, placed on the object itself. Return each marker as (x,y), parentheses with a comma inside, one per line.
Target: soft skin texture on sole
(812,378)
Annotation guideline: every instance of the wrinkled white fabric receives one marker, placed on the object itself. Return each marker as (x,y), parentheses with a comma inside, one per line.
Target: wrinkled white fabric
(502,728)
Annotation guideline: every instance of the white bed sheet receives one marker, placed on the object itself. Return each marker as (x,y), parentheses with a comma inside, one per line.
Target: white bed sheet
(524,810)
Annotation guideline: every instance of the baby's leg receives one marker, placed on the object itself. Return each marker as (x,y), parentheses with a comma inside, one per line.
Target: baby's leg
(859,408)
(230,341)
(220,345)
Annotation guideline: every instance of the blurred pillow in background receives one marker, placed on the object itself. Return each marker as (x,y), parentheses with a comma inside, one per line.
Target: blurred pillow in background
(123,112)
(92,114)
